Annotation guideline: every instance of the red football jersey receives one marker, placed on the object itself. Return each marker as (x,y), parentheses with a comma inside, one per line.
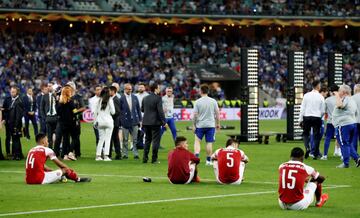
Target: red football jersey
(292,177)
(178,169)
(35,162)
(229,160)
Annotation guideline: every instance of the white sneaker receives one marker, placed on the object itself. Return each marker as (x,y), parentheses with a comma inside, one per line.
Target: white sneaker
(311,155)
(209,163)
(337,154)
(106,158)
(71,156)
(323,157)
(98,158)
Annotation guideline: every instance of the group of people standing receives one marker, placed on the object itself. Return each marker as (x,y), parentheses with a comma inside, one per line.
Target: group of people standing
(58,110)
(341,110)
(119,118)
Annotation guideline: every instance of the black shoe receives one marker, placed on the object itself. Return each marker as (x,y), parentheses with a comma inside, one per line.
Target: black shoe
(307,154)
(125,157)
(358,162)
(145,160)
(16,158)
(84,179)
(136,157)
(155,162)
(118,157)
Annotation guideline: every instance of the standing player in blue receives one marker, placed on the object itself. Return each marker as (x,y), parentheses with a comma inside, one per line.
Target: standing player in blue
(168,106)
(330,129)
(345,124)
(356,98)
(206,118)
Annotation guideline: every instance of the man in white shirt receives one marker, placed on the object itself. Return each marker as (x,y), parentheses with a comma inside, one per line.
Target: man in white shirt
(92,106)
(311,111)
(142,93)
(356,98)
(168,106)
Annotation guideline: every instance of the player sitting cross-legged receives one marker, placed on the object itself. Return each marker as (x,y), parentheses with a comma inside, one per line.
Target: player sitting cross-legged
(36,170)
(229,163)
(182,168)
(292,177)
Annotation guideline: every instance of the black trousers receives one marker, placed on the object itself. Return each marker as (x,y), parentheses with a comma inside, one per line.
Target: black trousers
(314,123)
(58,140)
(42,124)
(75,140)
(16,145)
(152,135)
(115,141)
(7,139)
(31,118)
(66,133)
(96,132)
(50,130)
(1,154)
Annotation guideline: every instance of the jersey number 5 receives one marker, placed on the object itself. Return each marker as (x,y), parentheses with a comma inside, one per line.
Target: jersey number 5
(291,179)
(30,161)
(229,157)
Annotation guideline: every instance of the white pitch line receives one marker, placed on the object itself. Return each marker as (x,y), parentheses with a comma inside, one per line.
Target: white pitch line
(134,203)
(132,176)
(148,202)
(163,177)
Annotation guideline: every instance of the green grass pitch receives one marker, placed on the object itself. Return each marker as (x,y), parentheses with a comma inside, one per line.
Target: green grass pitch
(117,189)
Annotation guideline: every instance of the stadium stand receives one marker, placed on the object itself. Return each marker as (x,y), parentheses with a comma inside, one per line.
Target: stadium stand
(93,59)
(218,7)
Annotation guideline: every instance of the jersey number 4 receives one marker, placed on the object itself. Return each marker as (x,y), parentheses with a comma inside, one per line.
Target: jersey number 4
(287,179)
(30,161)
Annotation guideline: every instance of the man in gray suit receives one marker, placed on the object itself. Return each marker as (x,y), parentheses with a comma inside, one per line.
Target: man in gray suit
(130,119)
(153,119)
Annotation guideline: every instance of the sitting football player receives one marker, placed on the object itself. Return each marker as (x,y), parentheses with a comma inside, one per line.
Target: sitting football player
(36,170)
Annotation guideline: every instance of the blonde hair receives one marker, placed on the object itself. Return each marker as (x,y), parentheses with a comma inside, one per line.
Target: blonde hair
(66,94)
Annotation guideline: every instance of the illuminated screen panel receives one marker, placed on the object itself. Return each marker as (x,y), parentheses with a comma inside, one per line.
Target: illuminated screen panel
(335,68)
(295,93)
(250,94)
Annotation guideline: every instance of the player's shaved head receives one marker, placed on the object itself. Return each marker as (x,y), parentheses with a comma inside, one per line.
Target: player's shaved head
(179,140)
(230,141)
(297,153)
(39,137)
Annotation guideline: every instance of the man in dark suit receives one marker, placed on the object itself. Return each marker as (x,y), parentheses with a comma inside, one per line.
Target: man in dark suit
(44,90)
(48,110)
(5,109)
(14,122)
(154,118)
(1,122)
(116,117)
(30,108)
(130,119)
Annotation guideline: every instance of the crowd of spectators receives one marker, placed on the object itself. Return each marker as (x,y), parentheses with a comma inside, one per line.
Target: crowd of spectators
(29,60)
(57,4)
(257,7)
(17,4)
(338,8)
